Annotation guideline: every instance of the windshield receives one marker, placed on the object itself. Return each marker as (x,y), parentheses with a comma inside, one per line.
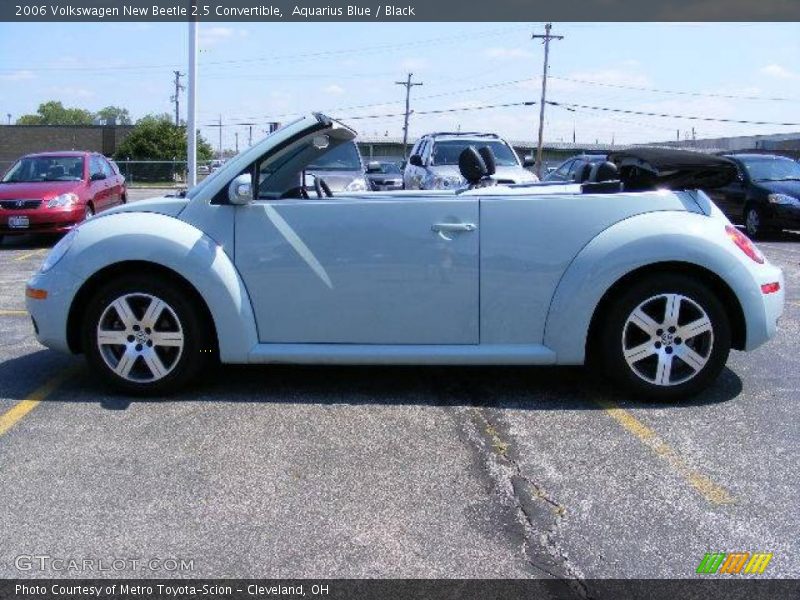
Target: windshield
(447,153)
(389,169)
(341,158)
(45,168)
(771,169)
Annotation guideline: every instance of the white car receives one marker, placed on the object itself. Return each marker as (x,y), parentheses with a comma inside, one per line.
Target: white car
(654,286)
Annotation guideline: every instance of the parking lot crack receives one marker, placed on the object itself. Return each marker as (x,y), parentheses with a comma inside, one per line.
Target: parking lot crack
(539,514)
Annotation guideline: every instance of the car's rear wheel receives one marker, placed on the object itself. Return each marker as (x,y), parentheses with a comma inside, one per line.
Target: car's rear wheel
(665,338)
(144,337)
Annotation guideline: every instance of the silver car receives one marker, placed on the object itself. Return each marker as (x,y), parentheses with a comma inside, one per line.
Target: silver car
(655,287)
(433,164)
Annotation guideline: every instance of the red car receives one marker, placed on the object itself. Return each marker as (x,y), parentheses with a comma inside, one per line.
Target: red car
(52,192)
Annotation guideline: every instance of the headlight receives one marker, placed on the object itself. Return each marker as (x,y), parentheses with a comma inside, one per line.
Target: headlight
(58,251)
(448,182)
(782,199)
(67,199)
(357,185)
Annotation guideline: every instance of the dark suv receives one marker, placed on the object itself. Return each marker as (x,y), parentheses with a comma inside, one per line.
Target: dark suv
(567,170)
(766,194)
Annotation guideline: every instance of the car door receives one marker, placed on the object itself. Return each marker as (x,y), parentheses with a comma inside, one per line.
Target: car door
(113,187)
(731,198)
(362,270)
(98,184)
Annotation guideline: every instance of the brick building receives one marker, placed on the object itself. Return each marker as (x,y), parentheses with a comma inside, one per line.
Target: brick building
(18,140)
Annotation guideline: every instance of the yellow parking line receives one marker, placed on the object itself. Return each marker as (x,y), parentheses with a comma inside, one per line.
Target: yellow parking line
(13,415)
(712,492)
(30,254)
(13,313)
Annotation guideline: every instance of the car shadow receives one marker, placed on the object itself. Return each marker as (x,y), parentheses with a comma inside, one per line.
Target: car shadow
(28,242)
(519,388)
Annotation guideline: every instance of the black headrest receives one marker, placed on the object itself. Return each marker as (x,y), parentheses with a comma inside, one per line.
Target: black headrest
(583,173)
(488,159)
(471,165)
(604,171)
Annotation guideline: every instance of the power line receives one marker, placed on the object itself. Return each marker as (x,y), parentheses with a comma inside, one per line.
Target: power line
(676,92)
(546,37)
(569,105)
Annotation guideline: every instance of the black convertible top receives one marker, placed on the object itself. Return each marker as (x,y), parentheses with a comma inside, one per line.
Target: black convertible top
(652,168)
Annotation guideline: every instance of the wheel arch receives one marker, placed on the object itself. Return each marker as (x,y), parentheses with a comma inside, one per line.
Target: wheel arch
(730,302)
(79,304)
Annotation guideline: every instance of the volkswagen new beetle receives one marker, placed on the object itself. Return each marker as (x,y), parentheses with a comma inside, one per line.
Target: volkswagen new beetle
(653,286)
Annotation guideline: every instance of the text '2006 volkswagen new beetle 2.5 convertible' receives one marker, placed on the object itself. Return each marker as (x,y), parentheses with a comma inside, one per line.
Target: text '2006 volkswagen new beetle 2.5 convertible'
(252,266)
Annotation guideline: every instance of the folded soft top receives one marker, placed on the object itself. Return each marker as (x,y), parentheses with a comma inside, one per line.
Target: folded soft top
(652,168)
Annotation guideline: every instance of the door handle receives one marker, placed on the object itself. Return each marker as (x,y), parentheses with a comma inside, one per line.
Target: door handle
(453,227)
(445,228)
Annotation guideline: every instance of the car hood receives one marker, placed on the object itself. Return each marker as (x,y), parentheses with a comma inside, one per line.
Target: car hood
(43,189)
(790,188)
(515,174)
(337,180)
(163,205)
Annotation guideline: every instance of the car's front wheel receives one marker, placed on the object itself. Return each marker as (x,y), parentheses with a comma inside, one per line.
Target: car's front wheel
(753,224)
(143,336)
(665,338)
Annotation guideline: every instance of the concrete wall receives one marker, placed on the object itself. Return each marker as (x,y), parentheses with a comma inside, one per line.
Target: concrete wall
(18,140)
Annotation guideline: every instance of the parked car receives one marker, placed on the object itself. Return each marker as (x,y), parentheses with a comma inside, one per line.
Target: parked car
(653,287)
(433,164)
(341,169)
(384,176)
(765,196)
(569,169)
(52,192)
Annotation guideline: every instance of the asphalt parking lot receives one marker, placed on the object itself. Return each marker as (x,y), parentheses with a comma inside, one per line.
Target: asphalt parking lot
(395,472)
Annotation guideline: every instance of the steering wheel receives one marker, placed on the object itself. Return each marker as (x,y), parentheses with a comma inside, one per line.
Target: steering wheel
(322,188)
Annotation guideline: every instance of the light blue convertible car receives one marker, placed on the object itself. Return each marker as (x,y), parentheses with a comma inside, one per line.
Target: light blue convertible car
(251,266)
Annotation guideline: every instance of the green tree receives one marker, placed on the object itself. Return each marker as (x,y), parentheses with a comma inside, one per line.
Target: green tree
(157,138)
(54,113)
(114,114)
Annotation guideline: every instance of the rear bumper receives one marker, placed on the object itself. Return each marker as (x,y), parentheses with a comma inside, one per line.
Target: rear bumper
(763,311)
(42,220)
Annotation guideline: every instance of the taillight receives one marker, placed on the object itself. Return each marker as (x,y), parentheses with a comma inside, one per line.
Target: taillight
(744,243)
(771,288)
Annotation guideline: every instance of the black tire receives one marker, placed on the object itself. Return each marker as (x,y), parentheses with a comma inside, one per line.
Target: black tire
(185,365)
(641,378)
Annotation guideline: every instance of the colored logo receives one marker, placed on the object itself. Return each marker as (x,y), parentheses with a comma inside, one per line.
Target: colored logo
(734,563)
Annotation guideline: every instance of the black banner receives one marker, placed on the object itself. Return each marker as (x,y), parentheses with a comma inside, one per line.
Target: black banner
(397,10)
(400,589)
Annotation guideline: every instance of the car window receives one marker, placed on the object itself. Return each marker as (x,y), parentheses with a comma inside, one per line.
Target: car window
(95,168)
(563,171)
(107,169)
(342,158)
(45,168)
(447,152)
(771,169)
(423,150)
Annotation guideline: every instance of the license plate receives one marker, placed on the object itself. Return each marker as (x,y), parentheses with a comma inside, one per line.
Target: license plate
(18,222)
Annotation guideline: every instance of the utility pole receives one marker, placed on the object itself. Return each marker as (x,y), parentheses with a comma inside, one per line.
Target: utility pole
(546,37)
(9,118)
(176,97)
(408,85)
(191,112)
(220,137)
(236,133)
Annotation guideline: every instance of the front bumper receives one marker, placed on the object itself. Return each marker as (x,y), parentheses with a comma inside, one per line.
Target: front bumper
(42,220)
(784,216)
(50,315)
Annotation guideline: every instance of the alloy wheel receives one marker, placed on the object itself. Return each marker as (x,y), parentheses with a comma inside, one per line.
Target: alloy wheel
(752,222)
(140,337)
(667,339)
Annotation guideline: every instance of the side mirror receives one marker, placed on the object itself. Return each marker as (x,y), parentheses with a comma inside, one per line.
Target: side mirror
(528,161)
(415,160)
(97,176)
(373,166)
(240,190)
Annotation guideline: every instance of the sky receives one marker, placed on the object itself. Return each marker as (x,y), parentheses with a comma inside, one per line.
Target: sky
(262,72)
